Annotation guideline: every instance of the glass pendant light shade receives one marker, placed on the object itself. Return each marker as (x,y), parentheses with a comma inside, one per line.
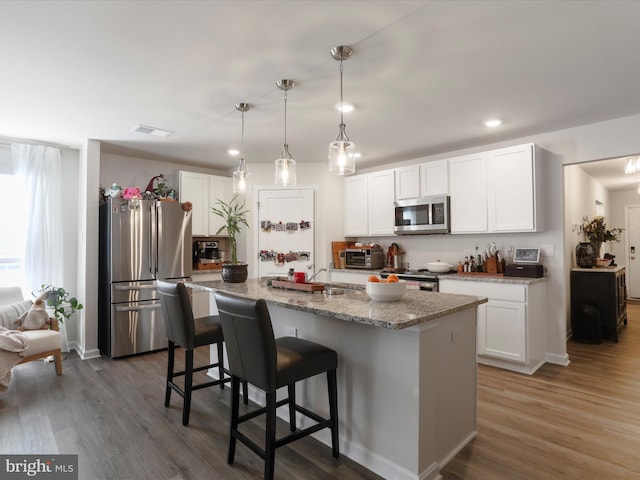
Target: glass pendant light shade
(242,176)
(285,171)
(241,179)
(342,160)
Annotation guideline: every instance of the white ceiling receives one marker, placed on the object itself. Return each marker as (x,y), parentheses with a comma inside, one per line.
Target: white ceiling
(423,77)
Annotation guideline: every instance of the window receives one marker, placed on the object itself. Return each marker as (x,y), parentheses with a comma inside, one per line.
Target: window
(12,231)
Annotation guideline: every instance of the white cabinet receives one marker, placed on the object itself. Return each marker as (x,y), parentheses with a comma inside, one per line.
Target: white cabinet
(468,191)
(194,188)
(381,203)
(202,191)
(368,204)
(514,186)
(202,302)
(356,206)
(220,188)
(356,277)
(422,180)
(510,325)
(499,191)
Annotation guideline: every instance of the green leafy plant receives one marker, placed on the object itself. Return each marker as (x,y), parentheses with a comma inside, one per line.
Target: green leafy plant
(597,232)
(63,304)
(234,215)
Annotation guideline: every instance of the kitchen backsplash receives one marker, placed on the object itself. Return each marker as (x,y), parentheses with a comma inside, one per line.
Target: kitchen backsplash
(421,249)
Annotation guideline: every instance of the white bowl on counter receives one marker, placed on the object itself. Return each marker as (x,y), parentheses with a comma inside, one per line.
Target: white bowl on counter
(385,292)
(438,267)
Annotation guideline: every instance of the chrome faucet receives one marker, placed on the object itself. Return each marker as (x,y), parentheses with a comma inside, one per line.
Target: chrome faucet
(315,274)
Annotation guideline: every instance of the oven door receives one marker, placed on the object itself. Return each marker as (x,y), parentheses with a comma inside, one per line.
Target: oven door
(355,259)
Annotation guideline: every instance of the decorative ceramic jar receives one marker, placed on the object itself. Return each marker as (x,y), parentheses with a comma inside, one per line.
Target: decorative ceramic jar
(585,255)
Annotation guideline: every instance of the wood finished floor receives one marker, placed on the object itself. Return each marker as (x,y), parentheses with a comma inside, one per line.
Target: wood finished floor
(575,422)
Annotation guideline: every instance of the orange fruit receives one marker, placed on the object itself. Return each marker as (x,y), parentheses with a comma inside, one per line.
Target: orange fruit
(373,278)
(392,278)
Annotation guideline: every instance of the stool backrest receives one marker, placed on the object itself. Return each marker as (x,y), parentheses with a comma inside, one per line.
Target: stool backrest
(248,334)
(177,313)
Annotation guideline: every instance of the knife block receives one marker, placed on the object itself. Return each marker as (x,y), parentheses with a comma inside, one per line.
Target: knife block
(493,265)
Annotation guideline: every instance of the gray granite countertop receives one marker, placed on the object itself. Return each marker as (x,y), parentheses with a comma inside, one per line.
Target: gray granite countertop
(416,307)
(615,269)
(490,279)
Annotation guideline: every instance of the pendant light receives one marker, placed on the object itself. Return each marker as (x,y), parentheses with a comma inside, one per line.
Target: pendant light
(285,173)
(341,151)
(241,176)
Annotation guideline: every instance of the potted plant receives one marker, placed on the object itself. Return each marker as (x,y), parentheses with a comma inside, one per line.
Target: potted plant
(61,301)
(234,215)
(597,233)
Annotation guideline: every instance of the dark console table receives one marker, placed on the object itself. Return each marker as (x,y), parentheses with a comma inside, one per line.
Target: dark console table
(602,288)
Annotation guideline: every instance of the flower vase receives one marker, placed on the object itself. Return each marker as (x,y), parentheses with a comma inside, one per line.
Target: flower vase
(597,246)
(585,255)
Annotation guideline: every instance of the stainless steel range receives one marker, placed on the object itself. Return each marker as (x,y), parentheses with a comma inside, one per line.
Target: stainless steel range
(421,279)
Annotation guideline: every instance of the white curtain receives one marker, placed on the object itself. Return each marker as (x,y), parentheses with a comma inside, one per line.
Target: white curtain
(38,168)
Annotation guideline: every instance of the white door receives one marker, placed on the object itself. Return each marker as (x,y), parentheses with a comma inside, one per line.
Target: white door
(285,229)
(633,251)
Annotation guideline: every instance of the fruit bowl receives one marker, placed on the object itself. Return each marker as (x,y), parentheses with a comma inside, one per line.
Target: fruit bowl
(385,292)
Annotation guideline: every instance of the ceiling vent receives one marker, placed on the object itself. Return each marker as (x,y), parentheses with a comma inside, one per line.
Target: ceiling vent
(158,132)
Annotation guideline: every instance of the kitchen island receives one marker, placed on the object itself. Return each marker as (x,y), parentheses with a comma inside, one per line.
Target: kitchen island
(406,374)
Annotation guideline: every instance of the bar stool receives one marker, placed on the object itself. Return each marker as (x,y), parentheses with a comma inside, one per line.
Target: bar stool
(189,333)
(269,363)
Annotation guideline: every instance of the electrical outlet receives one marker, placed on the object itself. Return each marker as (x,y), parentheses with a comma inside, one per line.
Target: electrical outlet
(290,331)
(455,334)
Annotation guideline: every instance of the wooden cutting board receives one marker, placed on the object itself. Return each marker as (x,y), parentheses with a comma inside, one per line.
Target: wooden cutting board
(336,248)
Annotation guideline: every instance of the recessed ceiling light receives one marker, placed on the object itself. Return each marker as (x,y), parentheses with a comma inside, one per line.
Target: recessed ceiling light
(346,107)
(233,152)
(158,132)
(493,122)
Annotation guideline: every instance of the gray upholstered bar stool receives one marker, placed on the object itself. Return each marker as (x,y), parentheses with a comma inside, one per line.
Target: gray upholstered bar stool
(189,333)
(256,356)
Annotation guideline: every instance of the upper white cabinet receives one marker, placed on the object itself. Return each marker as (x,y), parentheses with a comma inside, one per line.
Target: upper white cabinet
(202,191)
(514,187)
(422,180)
(219,188)
(368,204)
(498,191)
(468,192)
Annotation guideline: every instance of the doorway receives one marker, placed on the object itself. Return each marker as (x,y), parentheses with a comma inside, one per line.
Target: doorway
(632,254)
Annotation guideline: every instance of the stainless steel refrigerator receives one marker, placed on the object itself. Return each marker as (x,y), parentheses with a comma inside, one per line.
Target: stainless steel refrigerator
(140,241)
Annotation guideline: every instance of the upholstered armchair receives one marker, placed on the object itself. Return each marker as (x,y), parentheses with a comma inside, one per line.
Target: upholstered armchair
(42,343)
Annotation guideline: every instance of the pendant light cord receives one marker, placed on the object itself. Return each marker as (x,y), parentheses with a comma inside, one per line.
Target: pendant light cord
(285,117)
(341,101)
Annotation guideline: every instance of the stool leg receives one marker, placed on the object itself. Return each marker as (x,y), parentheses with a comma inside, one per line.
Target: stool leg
(170,358)
(233,422)
(292,406)
(332,385)
(220,365)
(270,431)
(188,382)
(245,389)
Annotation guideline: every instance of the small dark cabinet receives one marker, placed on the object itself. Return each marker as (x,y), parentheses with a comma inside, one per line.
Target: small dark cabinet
(604,289)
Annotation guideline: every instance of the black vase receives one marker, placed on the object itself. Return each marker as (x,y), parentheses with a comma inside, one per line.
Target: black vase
(585,255)
(236,272)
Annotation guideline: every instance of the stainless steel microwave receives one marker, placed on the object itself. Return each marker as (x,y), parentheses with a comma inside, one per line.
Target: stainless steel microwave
(422,215)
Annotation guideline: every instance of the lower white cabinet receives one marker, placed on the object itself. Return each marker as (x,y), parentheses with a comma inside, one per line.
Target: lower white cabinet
(511,332)
(203,303)
(357,277)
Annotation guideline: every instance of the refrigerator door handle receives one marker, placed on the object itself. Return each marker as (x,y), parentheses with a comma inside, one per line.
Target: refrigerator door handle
(137,307)
(150,250)
(134,287)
